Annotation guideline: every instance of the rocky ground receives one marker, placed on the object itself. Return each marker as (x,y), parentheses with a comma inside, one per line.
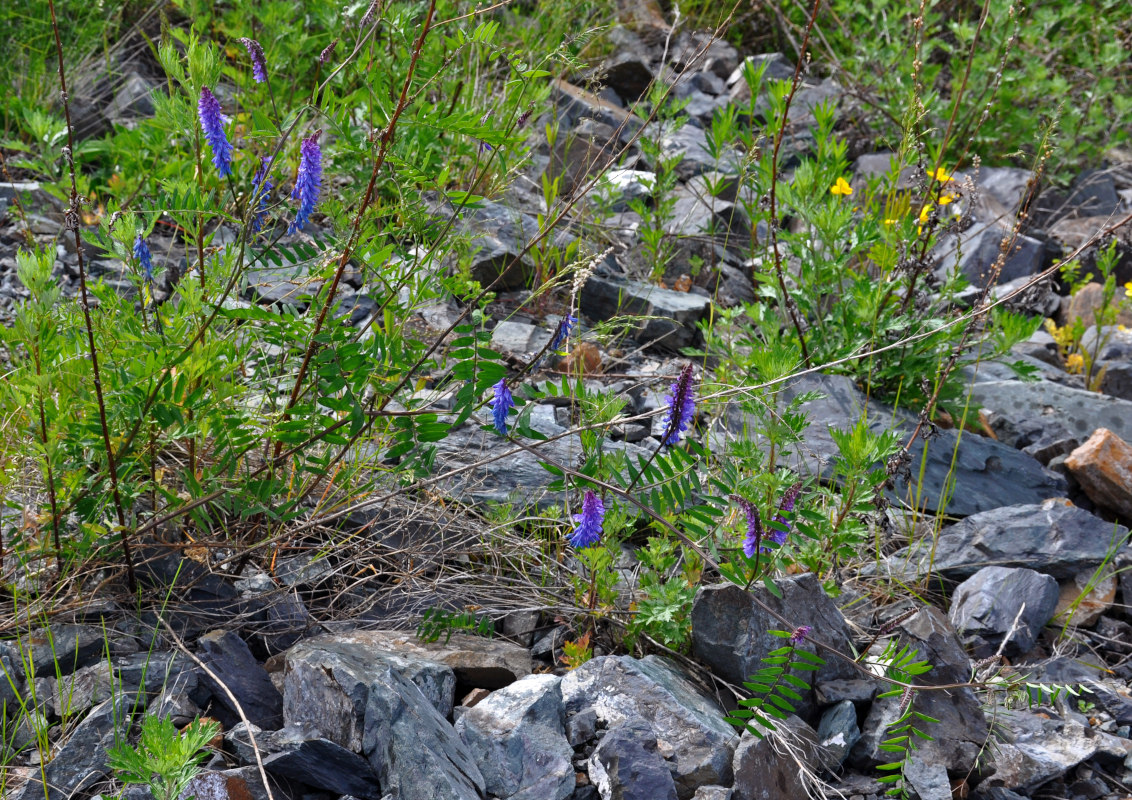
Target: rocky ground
(320,684)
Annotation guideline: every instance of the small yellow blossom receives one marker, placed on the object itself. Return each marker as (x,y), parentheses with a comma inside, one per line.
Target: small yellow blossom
(891,221)
(1075,362)
(941,175)
(841,187)
(1122,328)
(1128,289)
(945,199)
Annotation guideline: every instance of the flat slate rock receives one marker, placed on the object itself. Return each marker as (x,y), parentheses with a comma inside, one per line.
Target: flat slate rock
(1079,411)
(228,656)
(1054,537)
(960,477)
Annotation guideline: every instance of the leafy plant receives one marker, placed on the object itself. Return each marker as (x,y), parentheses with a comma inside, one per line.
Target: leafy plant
(164,760)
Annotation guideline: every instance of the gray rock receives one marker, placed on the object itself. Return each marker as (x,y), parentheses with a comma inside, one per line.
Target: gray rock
(712,793)
(987,604)
(973,471)
(132,100)
(1007,185)
(517,738)
(689,728)
(1055,538)
(242,783)
(962,731)
(81,760)
(1116,379)
(581,727)
(351,695)
(627,765)
(1010,404)
(1039,749)
(690,143)
(838,730)
(774,767)
(929,780)
(320,764)
(519,338)
(979,248)
(679,312)
(240,742)
(1093,194)
(730,629)
(697,214)
(227,655)
(62,649)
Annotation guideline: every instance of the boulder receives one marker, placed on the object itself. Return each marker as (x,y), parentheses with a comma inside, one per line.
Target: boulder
(1010,404)
(986,606)
(1038,749)
(677,313)
(1103,469)
(626,765)
(690,730)
(229,658)
(774,766)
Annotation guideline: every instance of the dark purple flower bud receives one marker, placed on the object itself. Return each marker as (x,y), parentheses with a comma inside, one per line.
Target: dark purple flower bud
(789,497)
(261,188)
(328,53)
(681,406)
(501,405)
(370,15)
(800,633)
(485,147)
(308,184)
(523,118)
(144,257)
(259,65)
(754,538)
(588,530)
(212,123)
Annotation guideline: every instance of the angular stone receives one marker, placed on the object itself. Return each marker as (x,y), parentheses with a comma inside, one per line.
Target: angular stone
(988,603)
(730,630)
(838,730)
(979,249)
(1039,749)
(320,764)
(1085,597)
(962,731)
(228,656)
(691,143)
(626,765)
(352,695)
(242,783)
(1056,538)
(62,649)
(1009,404)
(713,793)
(689,728)
(519,338)
(772,768)
(969,475)
(1103,468)
(517,737)
(679,312)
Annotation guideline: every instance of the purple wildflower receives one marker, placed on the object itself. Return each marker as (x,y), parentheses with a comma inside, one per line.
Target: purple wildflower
(370,15)
(800,633)
(144,257)
(501,405)
(308,184)
(681,406)
(563,333)
(261,188)
(212,122)
(590,521)
(524,117)
(789,497)
(328,53)
(259,65)
(753,540)
(485,147)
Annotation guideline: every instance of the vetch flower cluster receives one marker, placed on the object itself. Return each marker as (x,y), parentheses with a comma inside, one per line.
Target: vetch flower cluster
(261,188)
(588,530)
(501,405)
(789,498)
(144,257)
(681,406)
(563,332)
(308,184)
(799,634)
(259,64)
(212,123)
(753,540)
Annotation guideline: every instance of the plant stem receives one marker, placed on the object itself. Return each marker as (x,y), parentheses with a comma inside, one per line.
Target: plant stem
(72,221)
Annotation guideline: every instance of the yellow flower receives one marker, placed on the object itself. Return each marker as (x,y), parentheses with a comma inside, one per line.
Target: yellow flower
(945,199)
(1075,362)
(891,221)
(841,187)
(1128,289)
(941,175)
(925,213)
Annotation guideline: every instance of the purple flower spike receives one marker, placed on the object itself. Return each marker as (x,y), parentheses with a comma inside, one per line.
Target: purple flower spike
(370,15)
(308,184)
(754,538)
(789,497)
(261,188)
(588,531)
(485,147)
(563,333)
(800,633)
(259,64)
(328,53)
(212,123)
(144,257)
(501,405)
(681,406)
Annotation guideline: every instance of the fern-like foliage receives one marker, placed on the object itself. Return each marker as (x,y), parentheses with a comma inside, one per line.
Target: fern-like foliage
(775,689)
(436,622)
(903,664)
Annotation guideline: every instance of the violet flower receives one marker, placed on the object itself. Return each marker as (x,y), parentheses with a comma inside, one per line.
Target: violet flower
(789,497)
(523,118)
(144,257)
(590,521)
(501,405)
(370,15)
(800,633)
(753,541)
(563,332)
(485,147)
(261,188)
(255,53)
(212,123)
(308,184)
(681,406)
(327,53)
